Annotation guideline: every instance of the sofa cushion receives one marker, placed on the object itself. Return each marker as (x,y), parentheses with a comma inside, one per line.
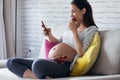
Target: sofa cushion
(84,63)
(5,74)
(3,63)
(108,61)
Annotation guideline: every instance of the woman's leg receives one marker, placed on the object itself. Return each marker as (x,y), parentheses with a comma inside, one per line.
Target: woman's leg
(43,68)
(21,67)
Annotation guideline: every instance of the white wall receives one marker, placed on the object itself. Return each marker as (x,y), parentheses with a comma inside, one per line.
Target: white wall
(56,13)
(106,13)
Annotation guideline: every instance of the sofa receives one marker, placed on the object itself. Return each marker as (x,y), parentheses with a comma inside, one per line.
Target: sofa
(106,67)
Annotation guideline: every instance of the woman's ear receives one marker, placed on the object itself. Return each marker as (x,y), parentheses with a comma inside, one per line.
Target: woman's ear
(83,10)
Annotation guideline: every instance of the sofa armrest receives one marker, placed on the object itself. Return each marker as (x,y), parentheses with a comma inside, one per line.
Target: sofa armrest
(3,63)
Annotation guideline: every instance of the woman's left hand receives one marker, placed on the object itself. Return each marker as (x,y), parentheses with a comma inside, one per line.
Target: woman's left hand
(73,26)
(60,59)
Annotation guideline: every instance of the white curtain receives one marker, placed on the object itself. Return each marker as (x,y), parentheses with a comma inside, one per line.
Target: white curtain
(7,26)
(3,54)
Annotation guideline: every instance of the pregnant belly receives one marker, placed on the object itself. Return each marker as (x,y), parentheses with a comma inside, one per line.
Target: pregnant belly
(61,50)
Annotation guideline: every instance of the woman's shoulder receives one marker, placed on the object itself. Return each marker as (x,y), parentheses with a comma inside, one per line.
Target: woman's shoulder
(91,29)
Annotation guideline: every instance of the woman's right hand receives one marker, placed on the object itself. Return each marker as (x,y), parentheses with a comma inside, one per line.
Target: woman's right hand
(46,31)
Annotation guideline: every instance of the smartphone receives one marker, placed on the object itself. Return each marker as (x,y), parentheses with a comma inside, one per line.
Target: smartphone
(43,26)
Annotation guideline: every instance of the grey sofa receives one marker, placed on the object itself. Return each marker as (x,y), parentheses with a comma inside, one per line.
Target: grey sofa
(107,66)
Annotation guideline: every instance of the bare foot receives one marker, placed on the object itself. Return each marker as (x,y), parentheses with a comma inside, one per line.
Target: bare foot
(29,74)
(47,77)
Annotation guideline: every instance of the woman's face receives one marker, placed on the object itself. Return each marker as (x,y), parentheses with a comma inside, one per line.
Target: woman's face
(77,13)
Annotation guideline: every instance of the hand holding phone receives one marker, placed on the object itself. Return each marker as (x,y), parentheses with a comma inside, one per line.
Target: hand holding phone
(43,26)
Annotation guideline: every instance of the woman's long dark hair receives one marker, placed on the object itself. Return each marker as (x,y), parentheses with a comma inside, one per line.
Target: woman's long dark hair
(88,17)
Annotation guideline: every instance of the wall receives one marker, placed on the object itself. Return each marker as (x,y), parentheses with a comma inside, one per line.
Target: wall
(56,13)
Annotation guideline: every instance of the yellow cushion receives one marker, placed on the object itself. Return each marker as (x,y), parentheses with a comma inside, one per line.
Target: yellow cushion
(84,63)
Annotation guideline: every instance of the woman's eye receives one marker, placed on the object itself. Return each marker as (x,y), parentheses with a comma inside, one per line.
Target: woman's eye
(73,11)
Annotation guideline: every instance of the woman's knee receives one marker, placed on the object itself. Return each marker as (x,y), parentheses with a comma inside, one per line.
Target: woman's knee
(15,67)
(37,64)
(10,62)
(38,68)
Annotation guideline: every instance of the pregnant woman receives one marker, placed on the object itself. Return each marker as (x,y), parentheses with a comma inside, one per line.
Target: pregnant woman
(73,43)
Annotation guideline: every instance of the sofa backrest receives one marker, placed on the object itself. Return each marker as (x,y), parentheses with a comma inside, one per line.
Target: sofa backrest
(108,61)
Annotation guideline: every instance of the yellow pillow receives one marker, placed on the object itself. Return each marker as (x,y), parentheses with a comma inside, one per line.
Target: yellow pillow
(84,63)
